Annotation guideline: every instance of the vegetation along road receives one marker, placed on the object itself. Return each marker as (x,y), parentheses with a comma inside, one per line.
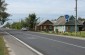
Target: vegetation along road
(3,48)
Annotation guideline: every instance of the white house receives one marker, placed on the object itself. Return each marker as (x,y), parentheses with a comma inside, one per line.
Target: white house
(62,25)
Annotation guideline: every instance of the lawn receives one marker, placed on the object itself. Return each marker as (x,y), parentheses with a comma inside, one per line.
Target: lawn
(3,49)
(78,34)
(1,46)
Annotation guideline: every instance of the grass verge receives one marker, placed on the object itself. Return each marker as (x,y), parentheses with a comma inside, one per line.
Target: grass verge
(78,34)
(3,48)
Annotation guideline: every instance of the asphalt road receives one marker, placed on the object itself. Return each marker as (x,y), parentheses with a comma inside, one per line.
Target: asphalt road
(50,44)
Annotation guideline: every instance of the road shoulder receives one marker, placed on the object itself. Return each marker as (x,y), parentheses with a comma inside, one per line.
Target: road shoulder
(17,48)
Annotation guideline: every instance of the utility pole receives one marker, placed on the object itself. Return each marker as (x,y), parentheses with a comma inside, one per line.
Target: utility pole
(76,18)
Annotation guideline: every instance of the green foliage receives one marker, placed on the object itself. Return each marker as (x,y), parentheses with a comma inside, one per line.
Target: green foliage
(23,23)
(3,13)
(4,16)
(1,46)
(79,34)
(31,20)
(16,25)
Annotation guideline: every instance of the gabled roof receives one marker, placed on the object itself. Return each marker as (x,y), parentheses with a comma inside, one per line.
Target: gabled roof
(81,21)
(53,21)
(62,21)
(72,22)
(41,23)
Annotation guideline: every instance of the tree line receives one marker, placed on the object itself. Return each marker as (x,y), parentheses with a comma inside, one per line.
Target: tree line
(29,22)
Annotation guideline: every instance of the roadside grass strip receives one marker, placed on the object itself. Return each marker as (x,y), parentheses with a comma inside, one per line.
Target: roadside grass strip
(3,48)
(78,34)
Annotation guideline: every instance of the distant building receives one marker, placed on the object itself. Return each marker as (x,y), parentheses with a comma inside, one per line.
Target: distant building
(83,24)
(83,28)
(62,25)
(46,25)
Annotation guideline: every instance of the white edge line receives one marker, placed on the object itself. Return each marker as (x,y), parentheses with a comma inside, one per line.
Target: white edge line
(39,53)
(60,42)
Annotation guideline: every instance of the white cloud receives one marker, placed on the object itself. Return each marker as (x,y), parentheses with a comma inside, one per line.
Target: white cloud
(45,7)
(48,6)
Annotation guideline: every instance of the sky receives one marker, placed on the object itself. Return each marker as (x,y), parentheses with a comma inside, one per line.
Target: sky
(45,9)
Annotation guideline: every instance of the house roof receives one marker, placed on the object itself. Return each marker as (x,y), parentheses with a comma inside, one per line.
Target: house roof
(53,21)
(42,22)
(81,21)
(72,22)
(62,21)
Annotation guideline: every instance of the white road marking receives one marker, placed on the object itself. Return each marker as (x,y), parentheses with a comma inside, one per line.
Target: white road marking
(39,53)
(58,41)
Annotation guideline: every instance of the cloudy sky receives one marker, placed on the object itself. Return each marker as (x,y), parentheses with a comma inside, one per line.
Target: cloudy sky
(45,9)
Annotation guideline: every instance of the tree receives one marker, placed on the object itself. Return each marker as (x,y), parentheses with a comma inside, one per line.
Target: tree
(23,23)
(3,14)
(31,20)
(16,25)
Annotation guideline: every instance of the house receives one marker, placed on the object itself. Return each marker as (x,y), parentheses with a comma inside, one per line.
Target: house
(46,25)
(83,24)
(83,28)
(62,25)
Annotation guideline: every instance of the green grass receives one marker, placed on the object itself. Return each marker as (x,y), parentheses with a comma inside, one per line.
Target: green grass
(81,34)
(3,49)
(78,34)
(1,46)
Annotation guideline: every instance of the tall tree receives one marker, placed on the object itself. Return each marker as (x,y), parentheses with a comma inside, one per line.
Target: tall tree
(16,25)
(23,23)
(32,20)
(3,13)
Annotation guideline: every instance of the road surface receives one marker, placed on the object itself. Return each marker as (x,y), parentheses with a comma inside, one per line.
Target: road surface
(50,44)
